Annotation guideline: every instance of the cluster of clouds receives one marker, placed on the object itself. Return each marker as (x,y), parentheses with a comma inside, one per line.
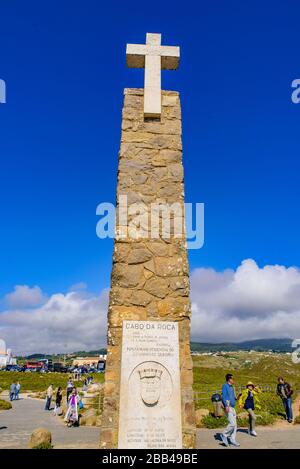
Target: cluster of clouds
(234,305)
(247,303)
(35,323)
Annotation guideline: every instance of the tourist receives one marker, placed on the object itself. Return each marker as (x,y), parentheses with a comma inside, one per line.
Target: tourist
(84,386)
(71,417)
(216,400)
(89,379)
(18,387)
(58,399)
(229,400)
(285,392)
(249,401)
(69,388)
(12,391)
(49,397)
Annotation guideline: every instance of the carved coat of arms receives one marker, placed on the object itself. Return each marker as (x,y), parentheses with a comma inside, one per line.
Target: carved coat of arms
(150,385)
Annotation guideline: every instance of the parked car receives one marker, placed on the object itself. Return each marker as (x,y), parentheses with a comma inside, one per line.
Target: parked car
(12,368)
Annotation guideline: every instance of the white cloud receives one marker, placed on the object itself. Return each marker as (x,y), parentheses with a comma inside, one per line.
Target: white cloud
(70,322)
(248,303)
(78,286)
(24,296)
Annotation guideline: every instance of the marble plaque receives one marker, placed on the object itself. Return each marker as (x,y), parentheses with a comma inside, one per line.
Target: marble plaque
(150,405)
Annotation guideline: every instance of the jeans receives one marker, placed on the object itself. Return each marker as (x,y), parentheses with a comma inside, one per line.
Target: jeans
(231,429)
(252,419)
(48,403)
(288,408)
(17,394)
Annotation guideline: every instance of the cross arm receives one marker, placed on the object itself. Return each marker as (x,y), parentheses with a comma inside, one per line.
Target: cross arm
(135,55)
(170,57)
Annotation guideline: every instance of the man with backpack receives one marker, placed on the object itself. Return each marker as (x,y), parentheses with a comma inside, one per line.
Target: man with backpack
(285,392)
(229,400)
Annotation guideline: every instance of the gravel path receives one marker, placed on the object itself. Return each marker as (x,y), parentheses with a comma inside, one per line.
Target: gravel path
(268,438)
(17,424)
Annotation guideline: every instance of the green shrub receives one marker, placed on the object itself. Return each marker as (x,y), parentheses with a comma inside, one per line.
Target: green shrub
(242,421)
(43,446)
(272,404)
(210,421)
(5,405)
(265,418)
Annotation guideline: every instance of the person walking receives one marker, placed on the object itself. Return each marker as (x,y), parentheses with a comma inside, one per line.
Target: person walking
(89,379)
(12,391)
(69,388)
(229,401)
(58,399)
(18,387)
(285,392)
(49,397)
(84,386)
(249,401)
(71,417)
(216,400)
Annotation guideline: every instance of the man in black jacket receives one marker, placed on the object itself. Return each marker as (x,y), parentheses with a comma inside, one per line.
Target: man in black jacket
(284,391)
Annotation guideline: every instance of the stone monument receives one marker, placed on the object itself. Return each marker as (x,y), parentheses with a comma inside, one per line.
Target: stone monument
(148,397)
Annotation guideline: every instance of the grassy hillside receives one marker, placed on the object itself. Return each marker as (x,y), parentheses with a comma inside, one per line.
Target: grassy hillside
(39,381)
(261,368)
(260,345)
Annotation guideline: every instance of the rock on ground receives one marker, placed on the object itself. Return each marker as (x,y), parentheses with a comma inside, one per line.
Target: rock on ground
(40,436)
(200,413)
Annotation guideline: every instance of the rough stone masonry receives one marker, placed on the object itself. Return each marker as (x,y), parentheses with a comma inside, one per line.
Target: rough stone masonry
(150,277)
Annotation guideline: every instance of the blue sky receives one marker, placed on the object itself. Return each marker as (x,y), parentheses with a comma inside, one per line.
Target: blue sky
(64,65)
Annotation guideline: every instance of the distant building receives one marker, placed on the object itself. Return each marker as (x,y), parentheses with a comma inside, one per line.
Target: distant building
(89,361)
(6,357)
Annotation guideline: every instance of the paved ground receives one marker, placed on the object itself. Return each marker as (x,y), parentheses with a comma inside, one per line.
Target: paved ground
(281,435)
(17,424)
(268,438)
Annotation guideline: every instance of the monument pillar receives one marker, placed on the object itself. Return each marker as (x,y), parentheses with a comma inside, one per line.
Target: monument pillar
(149,285)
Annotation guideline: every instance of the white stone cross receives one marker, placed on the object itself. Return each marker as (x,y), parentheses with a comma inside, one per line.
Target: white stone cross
(153,57)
